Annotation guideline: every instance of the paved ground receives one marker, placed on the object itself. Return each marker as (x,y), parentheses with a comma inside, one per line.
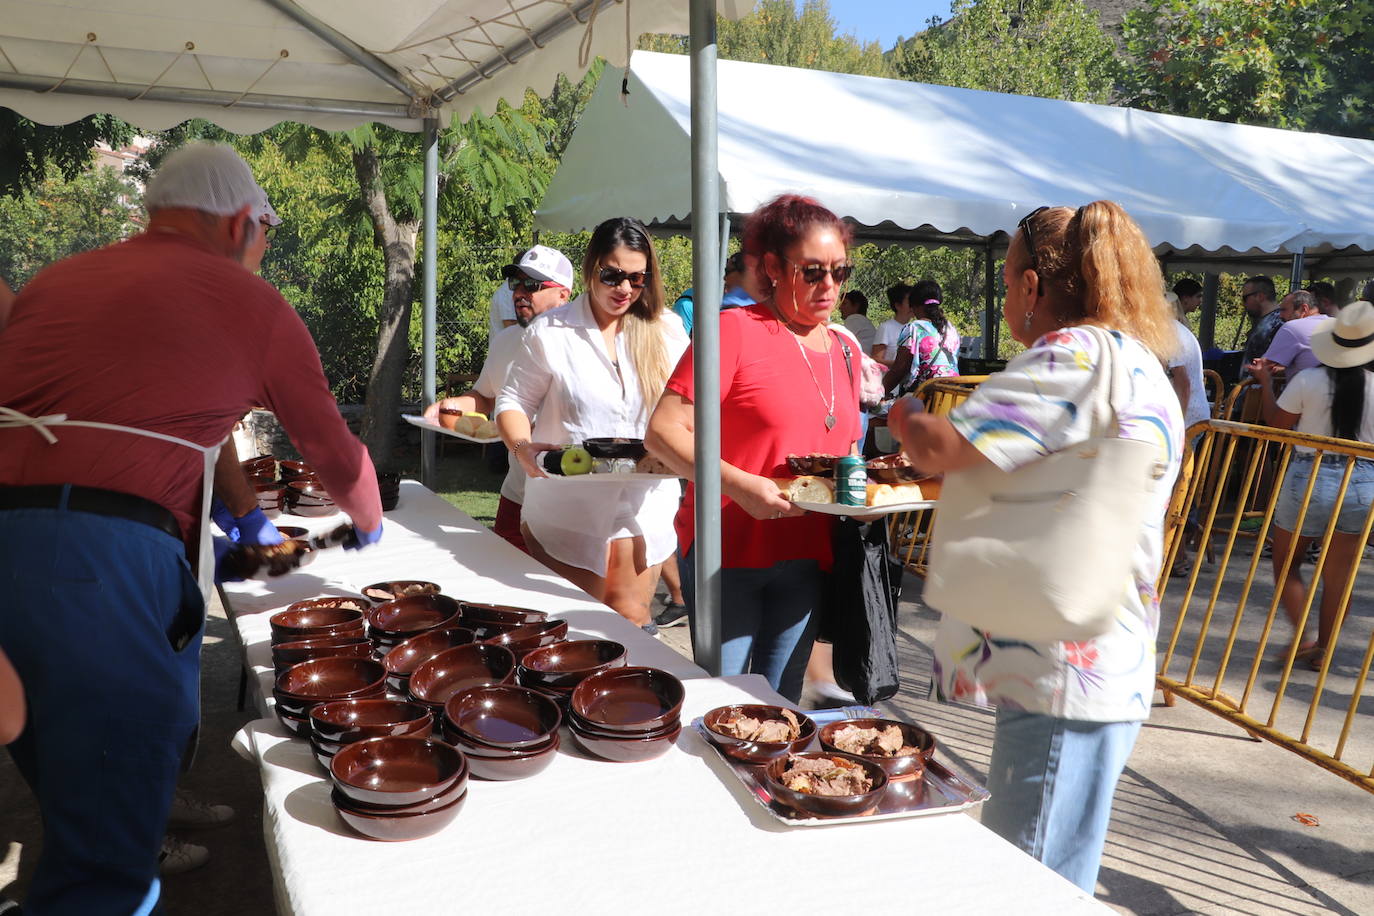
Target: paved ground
(1203,821)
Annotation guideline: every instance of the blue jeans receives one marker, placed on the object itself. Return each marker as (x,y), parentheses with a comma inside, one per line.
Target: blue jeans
(86,603)
(768,619)
(1052,782)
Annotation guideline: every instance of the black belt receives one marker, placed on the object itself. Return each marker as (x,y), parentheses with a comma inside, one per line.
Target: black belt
(89,499)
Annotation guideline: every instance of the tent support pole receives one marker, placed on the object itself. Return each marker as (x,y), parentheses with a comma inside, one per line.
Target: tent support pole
(706,274)
(429,268)
(1295,276)
(989,319)
(1207,324)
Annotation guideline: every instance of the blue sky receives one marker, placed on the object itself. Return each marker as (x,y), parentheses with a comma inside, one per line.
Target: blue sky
(884,20)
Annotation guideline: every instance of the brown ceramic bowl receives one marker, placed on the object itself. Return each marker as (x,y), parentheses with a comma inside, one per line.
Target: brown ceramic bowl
(314,623)
(294,470)
(564,665)
(625,749)
(630,700)
(530,636)
(812,465)
(347,721)
(503,716)
(470,745)
(397,770)
(501,614)
(330,601)
(615,447)
(445,797)
(595,731)
(459,668)
(825,805)
(411,653)
(389,489)
(325,750)
(392,827)
(910,765)
(755,751)
(296,724)
(512,765)
(331,678)
(891,469)
(299,707)
(286,654)
(379,592)
(271,497)
(406,617)
(291,532)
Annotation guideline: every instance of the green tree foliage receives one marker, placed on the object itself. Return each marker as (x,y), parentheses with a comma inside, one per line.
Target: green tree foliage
(59,217)
(28,150)
(1298,64)
(1054,49)
(777,32)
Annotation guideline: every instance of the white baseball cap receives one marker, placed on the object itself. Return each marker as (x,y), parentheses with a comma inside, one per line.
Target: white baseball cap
(210,177)
(263,212)
(542,263)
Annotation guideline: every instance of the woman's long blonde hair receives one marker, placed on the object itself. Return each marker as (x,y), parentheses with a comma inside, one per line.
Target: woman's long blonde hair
(1099,269)
(643,333)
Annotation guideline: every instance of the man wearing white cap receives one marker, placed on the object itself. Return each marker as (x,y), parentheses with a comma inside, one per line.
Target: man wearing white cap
(121,371)
(540,279)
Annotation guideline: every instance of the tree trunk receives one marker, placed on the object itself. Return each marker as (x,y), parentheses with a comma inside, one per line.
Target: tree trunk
(397,241)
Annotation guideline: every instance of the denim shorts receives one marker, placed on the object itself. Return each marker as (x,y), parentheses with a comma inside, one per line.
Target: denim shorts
(1358,495)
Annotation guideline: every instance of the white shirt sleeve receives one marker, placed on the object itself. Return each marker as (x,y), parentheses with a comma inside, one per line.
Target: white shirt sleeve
(528,379)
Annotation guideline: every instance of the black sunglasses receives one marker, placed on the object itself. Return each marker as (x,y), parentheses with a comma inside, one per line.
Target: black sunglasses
(529,284)
(1029,236)
(812,273)
(268,230)
(614,276)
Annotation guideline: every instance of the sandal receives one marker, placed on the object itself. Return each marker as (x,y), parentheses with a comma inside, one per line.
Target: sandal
(1312,654)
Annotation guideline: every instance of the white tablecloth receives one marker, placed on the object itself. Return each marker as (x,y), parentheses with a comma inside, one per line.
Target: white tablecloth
(673,835)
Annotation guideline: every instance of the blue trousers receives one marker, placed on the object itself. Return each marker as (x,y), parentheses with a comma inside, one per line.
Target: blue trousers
(1052,782)
(768,619)
(86,603)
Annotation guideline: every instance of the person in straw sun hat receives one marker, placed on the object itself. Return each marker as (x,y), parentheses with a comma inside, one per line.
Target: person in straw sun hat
(1333,399)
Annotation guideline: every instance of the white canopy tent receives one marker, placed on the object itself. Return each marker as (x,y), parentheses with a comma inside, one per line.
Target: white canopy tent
(911,162)
(335,64)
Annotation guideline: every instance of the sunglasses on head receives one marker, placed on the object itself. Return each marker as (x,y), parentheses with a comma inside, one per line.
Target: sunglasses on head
(529,284)
(614,276)
(813,273)
(1028,235)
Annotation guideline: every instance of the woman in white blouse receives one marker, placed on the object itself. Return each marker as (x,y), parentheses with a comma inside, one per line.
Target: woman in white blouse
(596,367)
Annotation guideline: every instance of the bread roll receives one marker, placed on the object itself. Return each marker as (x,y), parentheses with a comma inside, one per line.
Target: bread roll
(486,429)
(881,494)
(808,489)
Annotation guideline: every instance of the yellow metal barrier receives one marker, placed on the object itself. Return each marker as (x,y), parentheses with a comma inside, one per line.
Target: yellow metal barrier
(909,533)
(1219,614)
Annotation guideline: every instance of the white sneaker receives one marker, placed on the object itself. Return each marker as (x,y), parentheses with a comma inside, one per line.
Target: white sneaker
(178,857)
(829,690)
(189,811)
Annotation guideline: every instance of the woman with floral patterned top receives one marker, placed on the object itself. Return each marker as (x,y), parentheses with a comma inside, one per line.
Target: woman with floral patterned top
(1067,712)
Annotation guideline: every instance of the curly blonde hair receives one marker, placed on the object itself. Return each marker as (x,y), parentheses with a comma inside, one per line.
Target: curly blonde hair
(1098,268)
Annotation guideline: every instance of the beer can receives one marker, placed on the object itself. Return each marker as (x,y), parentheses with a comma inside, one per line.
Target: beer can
(851,481)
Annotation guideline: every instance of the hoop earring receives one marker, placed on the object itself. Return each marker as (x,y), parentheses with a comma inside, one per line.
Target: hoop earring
(1026,325)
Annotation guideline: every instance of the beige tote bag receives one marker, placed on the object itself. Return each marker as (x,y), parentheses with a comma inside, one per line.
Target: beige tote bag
(1044,553)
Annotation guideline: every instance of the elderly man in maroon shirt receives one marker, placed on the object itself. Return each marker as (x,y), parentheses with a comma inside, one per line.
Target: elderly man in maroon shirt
(121,370)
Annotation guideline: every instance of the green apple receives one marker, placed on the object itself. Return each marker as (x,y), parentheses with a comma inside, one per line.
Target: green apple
(576,460)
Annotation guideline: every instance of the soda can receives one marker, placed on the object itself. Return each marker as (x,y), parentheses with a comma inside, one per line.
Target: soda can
(851,481)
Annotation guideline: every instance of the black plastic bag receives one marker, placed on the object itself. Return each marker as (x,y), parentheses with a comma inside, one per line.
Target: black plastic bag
(860,619)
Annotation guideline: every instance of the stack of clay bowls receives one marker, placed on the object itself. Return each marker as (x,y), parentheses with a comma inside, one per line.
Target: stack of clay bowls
(339,723)
(556,670)
(318,628)
(530,636)
(399,787)
(301,688)
(627,714)
(505,731)
(393,622)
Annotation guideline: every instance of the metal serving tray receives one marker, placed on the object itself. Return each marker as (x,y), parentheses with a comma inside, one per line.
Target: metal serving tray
(945,791)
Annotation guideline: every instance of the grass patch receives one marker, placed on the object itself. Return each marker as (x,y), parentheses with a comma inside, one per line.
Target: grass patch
(465,478)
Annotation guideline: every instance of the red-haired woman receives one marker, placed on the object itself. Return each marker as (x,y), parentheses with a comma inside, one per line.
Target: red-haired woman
(789,384)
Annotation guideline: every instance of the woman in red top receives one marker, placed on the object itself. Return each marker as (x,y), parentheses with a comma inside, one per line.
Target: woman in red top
(789,385)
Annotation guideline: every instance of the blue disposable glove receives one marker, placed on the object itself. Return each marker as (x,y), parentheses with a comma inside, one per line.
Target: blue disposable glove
(221,516)
(257,528)
(222,547)
(361,538)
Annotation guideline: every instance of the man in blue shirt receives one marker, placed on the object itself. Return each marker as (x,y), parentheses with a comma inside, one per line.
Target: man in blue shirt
(734,297)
